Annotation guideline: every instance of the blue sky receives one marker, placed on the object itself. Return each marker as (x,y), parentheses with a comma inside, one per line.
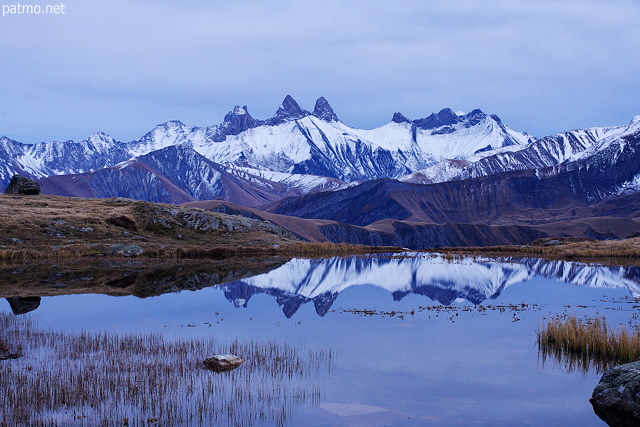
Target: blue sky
(124,66)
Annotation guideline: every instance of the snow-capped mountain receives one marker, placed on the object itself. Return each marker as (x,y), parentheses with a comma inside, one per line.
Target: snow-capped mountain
(178,174)
(59,158)
(300,281)
(545,152)
(488,173)
(288,146)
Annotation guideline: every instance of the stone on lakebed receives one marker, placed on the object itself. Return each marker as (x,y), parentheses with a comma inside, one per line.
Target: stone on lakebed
(222,362)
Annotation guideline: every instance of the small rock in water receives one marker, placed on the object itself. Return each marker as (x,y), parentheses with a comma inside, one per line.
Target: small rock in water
(616,398)
(222,362)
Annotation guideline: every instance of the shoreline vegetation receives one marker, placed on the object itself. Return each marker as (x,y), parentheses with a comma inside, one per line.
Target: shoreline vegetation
(614,252)
(56,228)
(583,344)
(106,378)
(51,228)
(302,249)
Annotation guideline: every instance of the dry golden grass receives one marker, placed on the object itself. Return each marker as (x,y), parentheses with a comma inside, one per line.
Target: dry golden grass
(585,344)
(626,251)
(329,249)
(56,227)
(146,379)
(45,227)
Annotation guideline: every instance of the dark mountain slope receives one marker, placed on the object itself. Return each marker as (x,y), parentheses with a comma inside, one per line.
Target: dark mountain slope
(176,174)
(510,198)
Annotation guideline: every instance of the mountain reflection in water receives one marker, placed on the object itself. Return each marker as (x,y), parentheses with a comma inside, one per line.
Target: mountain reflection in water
(441,279)
(300,281)
(22,287)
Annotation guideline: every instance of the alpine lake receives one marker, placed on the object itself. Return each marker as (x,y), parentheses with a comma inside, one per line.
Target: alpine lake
(381,340)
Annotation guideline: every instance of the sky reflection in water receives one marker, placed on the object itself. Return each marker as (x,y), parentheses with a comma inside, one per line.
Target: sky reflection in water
(461,365)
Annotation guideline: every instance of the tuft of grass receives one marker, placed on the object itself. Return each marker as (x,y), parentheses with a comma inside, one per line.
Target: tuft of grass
(586,344)
(109,379)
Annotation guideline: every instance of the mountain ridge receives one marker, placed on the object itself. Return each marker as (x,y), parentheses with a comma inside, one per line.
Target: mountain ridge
(295,141)
(449,178)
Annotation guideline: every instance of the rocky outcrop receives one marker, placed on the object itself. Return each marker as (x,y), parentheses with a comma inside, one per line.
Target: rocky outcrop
(22,185)
(222,362)
(161,218)
(616,398)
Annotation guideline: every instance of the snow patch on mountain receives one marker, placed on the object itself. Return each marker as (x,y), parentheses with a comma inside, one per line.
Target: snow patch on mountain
(553,150)
(309,151)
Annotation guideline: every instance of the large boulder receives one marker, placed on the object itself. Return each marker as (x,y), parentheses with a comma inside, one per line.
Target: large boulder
(222,362)
(22,185)
(616,398)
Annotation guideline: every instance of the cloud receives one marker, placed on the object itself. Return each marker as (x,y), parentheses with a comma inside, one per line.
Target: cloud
(123,66)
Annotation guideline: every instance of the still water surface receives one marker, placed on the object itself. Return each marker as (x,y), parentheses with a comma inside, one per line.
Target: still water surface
(419,340)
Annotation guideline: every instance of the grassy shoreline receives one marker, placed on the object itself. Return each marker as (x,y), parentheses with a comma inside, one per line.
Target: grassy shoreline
(613,252)
(188,252)
(55,227)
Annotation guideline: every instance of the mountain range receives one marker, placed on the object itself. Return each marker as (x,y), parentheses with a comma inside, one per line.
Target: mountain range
(450,178)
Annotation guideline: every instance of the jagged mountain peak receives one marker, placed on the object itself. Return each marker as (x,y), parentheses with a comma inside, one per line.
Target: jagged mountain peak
(320,145)
(172,123)
(238,120)
(323,110)
(238,110)
(170,126)
(475,117)
(100,137)
(399,118)
(290,109)
(445,117)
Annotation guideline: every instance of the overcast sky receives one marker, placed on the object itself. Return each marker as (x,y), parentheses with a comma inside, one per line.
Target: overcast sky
(122,67)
